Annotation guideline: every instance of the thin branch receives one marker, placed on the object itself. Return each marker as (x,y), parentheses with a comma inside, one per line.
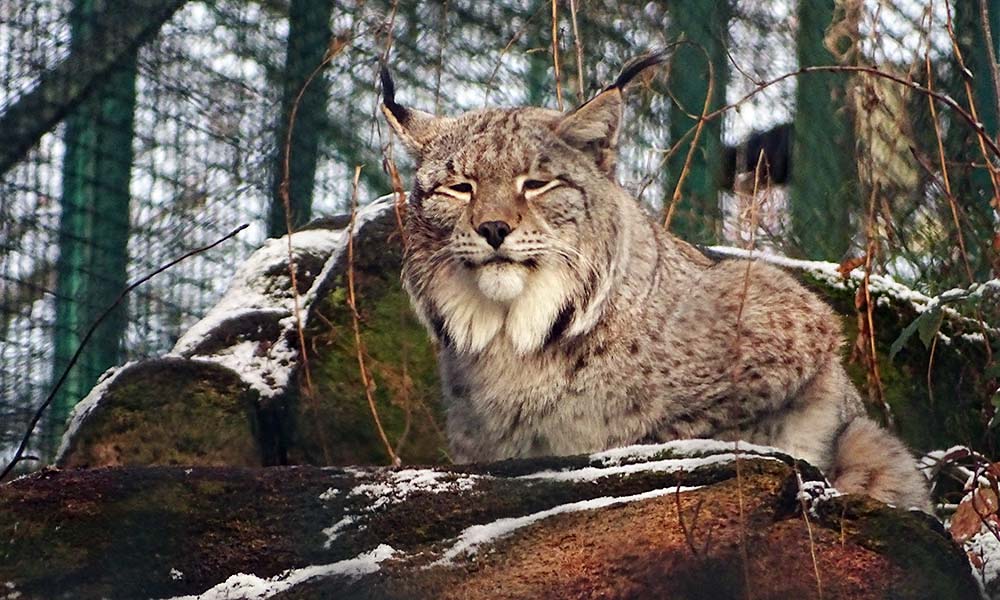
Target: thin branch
(991,54)
(867,329)
(555,52)
(812,542)
(945,178)
(513,40)
(366,380)
(442,36)
(19,454)
(689,531)
(709,93)
(336,47)
(990,167)
(578,43)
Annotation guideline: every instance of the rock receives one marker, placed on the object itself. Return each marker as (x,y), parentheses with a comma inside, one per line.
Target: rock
(679,520)
(319,413)
(246,350)
(169,411)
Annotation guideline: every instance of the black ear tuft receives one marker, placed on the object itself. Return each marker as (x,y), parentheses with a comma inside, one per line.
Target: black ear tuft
(389,96)
(637,65)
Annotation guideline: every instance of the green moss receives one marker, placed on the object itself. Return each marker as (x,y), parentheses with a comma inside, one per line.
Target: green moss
(336,426)
(913,540)
(170,413)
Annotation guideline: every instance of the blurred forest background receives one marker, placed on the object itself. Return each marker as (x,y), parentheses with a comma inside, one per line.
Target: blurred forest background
(132,131)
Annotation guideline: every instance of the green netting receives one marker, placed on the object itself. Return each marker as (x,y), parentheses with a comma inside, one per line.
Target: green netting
(167,129)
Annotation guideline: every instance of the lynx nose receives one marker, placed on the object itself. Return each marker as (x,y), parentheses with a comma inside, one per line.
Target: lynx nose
(494,232)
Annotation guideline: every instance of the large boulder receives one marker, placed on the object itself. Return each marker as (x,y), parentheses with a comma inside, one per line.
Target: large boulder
(240,372)
(693,519)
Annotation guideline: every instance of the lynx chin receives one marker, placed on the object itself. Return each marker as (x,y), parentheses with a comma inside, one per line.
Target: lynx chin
(569,322)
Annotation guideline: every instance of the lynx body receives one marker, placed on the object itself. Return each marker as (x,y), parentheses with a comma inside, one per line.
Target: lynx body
(567,321)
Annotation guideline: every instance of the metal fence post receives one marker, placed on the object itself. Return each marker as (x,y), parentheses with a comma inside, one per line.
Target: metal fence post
(309,38)
(698,216)
(824,175)
(94,226)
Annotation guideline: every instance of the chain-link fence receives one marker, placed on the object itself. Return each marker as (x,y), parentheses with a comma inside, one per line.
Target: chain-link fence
(136,130)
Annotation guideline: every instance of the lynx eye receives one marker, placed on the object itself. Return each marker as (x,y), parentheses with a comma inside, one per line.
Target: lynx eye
(461,190)
(532,188)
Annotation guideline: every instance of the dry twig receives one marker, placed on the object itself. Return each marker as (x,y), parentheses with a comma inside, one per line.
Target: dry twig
(336,47)
(737,348)
(709,93)
(578,43)
(19,453)
(812,541)
(366,379)
(555,52)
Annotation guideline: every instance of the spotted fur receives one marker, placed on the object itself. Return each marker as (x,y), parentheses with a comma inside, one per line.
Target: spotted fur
(591,327)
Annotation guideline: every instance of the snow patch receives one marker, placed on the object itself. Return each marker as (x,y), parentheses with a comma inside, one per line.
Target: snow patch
(252,587)
(812,493)
(641,452)
(329,494)
(9,592)
(668,465)
(404,483)
(396,488)
(472,537)
(334,530)
(984,548)
(267,368)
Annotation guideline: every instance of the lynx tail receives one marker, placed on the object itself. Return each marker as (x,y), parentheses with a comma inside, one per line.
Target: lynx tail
(869,460)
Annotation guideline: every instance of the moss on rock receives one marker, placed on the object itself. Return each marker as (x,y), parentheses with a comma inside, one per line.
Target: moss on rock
(575,527)
(168,412)
(333,421)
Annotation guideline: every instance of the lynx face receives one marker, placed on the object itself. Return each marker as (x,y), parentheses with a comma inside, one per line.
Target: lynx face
(512,219)
(503,212)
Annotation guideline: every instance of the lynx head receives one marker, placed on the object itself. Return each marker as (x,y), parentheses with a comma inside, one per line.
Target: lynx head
(512,220)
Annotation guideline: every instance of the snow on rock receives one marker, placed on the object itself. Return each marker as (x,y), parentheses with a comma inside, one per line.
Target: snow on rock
(686,448)
(252,587)
(471,531)
(668,465)
(669,457)
(477,535)
(392,489)
(252,329)
(884,287)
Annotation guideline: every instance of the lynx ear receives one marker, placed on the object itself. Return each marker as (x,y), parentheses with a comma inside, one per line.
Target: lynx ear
(594,126)
(414,127)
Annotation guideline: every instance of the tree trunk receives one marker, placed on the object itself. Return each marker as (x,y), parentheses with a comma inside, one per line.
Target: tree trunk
(824,188)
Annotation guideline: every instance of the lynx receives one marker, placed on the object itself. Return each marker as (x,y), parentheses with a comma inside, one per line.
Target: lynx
(568,321)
